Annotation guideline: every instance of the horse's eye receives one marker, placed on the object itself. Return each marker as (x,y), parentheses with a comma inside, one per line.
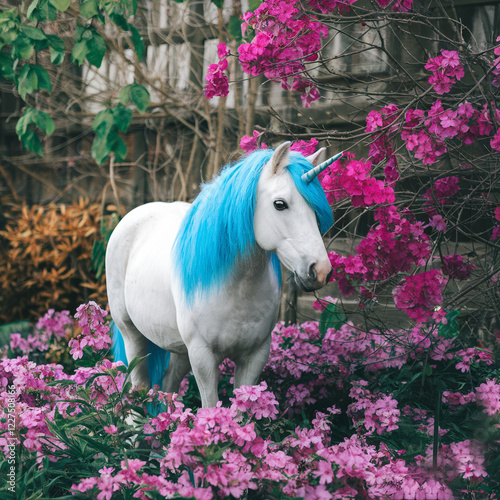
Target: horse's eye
(280,205)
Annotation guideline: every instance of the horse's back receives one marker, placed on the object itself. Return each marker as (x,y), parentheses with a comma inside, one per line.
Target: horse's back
(139,271)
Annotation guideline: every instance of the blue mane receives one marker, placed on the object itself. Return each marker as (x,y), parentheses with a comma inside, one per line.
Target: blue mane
(218,229)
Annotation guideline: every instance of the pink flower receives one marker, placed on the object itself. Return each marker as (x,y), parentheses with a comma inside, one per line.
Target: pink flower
(455,267)
(304,147)
(419,294)
(438,223)
(447,70)
(112,429)
(250,144)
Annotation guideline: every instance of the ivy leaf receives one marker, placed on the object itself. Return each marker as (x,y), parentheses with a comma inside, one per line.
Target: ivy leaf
(56,43)
(80,51)
(31,9)
(89,9)
(22,48)
(43,78)
(136,93)
(28,81)
(27,125)
(33,33)
(7,67)
(97,50)
(60,5)
(107,125)
(122,117)
(56,58)
(218,3)
(137,41)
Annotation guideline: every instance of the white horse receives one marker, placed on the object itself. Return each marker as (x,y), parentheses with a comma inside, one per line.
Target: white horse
(203,282)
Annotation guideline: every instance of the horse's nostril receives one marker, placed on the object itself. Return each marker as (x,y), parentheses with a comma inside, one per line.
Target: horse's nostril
(329,276)
(312,272)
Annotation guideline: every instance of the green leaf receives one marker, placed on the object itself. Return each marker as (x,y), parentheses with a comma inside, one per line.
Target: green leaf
(7,67)
(60,5)
(331,317)
(28,81)
(89,9)
(218,3)
(56,43)
(22,48)
(33,33)
(101,149)
(97,49)
(253,5)
(27,135)
(43,121)
(234,28)
(31,8)
(140,96)
(56,57)
(452,327)
(122,117)
(125,96)
(103,122)
(80,51)
(137,41)
(43,78)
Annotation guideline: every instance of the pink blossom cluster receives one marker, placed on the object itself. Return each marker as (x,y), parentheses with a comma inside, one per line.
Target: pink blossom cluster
(455,267)
(391,247)
(328,6)
(249,144)
(377,412)
(426,133)
(439,195)
(495,72)
(256,401)
(38,398)
(396,5)
(381,146)
(465,459)
(420,294)
(217,81)
(232,451)
(94,330)
(286,38)
(472,355)
(446,71)
(488,395)
(53,325)
(349,178)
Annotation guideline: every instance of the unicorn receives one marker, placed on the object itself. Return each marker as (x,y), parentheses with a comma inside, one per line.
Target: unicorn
(203,281)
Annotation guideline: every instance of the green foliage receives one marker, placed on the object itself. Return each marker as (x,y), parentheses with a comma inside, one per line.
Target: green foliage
(21,37)
(234,28)
(27,126)
(136,94)
(332,317)
(107,125)
(107,224)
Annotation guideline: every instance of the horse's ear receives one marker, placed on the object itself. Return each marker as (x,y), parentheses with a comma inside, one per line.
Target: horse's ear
(281,157)
(315,158)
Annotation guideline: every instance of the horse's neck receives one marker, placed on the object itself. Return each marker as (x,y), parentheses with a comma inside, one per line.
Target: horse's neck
(251,269)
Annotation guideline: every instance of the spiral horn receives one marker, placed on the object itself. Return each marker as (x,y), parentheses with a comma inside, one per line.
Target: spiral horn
(313,173)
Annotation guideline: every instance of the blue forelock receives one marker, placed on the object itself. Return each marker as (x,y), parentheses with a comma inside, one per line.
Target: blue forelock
(218,229)
(312,192)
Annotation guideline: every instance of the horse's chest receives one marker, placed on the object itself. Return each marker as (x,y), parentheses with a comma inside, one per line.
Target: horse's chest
(237,320)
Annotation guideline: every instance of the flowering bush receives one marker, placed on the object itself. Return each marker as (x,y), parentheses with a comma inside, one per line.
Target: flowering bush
(342,413)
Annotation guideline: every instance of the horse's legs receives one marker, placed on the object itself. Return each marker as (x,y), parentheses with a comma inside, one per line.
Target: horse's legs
(206,371)
(136,345)
(178,367)
(249,369)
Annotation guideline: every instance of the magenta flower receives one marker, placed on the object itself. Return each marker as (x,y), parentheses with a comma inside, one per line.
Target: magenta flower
(112,429)
(419,294)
